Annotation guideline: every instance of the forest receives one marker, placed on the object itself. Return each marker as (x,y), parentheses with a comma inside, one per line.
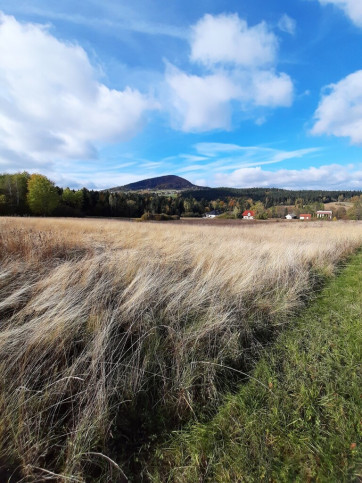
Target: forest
(34,194)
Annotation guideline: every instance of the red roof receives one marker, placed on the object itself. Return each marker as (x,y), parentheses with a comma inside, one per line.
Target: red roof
(246,213)
(308,214)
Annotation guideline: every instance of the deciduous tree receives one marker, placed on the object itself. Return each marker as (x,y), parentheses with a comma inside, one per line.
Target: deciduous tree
(42,196)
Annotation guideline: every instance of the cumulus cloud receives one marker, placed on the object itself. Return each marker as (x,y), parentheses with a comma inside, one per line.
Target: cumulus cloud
(203,103)
(52,105)
(340,111)
(352,8)
(228,39)
(332,176)
(239,74)
(272,90)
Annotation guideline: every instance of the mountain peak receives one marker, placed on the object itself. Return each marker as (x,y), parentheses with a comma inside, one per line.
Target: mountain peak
(169,182)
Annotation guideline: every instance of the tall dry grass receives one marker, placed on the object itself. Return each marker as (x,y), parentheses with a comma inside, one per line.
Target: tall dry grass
(105,321)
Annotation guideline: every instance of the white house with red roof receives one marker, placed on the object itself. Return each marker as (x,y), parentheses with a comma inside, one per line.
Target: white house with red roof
(249,215)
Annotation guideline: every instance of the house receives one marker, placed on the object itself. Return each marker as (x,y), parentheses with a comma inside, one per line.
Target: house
(212,214)
(305,216)
(324,214)
(290,216)
(249,215)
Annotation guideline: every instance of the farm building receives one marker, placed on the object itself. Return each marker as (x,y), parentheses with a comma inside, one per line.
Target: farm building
(324,214)
(290,216)
(249,214)
(305,216)
(212,214)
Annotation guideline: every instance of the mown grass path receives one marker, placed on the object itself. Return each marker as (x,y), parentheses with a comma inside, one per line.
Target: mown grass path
(305,425)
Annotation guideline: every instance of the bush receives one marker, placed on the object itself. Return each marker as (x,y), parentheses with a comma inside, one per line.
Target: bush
(158,217)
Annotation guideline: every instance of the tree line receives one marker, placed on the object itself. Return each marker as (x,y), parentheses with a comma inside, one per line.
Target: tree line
(34,194)
(272,196)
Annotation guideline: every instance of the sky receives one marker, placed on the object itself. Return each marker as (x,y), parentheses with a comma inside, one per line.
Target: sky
(238,93)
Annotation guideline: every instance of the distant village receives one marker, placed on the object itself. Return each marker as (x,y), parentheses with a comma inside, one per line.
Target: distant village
(251,215)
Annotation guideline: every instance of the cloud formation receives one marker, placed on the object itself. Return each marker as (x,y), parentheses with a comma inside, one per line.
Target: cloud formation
(352,8)
(228,39)
(51,104)
(332,176)
(340,111)
(238,166)
(239,74)
(202,103)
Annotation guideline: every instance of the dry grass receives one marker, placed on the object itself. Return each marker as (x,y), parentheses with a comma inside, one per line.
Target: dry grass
(98,317)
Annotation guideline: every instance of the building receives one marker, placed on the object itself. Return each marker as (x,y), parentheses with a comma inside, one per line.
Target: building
(249,215)
(290,216)
(324,214)
(305,216)
(212,214)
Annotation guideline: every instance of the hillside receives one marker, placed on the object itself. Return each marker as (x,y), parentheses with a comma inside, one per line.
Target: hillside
(169,182)
(275,195)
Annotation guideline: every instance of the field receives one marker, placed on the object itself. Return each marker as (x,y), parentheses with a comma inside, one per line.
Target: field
(298,418)
(334,205)
(114,333)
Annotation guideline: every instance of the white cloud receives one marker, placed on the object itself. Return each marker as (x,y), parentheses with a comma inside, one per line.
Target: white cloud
(52,105)
(228,39)
(212,149)
(249,155)
(332,176)
(203,103)
(272,90)
(114,18)
(224,164)
(340,111)
(287,24)
(352,8)
(239,75)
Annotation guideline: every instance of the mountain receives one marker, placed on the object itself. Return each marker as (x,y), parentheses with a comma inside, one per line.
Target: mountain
(169,182)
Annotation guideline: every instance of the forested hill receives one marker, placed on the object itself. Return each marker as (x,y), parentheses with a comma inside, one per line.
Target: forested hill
(269,196)
(170,182)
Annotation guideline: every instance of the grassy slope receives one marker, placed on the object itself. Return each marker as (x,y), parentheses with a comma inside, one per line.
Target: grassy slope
(301,420)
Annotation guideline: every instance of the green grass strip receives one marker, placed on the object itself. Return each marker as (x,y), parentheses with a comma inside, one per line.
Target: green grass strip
(305,425)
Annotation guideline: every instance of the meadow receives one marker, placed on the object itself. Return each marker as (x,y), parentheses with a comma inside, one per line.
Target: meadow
(115,332)
(298,417)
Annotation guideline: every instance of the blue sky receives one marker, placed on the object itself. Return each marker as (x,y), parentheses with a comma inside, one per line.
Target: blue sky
(238,93)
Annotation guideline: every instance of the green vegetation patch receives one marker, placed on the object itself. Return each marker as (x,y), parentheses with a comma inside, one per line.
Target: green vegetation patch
(298,418)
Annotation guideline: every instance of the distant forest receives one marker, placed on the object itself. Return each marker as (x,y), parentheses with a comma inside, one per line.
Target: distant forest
(25,194)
